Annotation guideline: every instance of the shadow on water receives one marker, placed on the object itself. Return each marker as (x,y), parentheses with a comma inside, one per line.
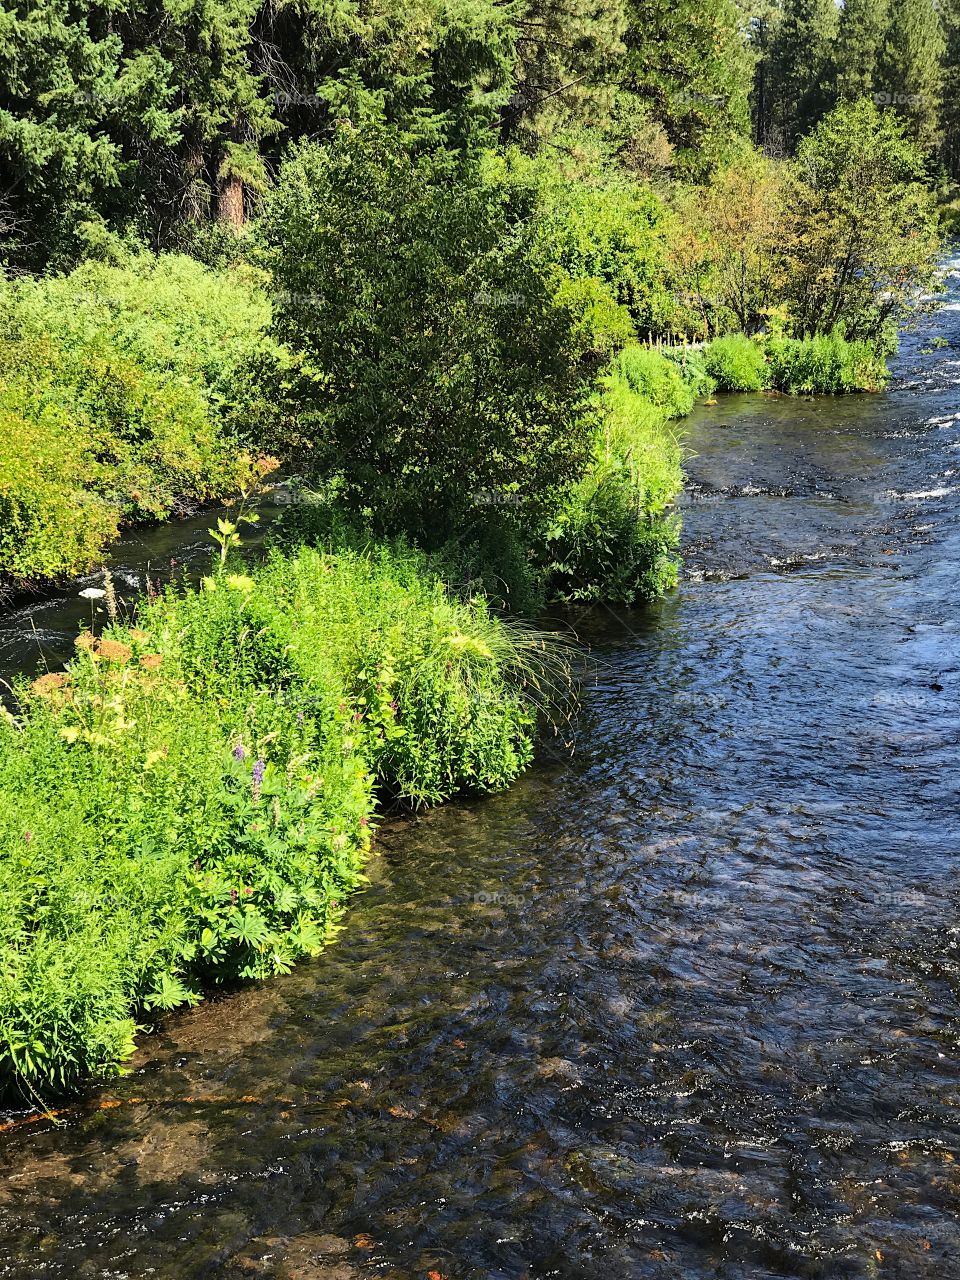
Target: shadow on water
(683,1005)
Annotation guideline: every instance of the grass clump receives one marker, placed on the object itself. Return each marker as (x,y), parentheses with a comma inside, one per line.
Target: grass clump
(827,364)
(192,800)
(737,363)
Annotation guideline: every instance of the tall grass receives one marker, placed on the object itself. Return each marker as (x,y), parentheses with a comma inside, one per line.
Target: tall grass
(825,364)
(192,800)
(616,538)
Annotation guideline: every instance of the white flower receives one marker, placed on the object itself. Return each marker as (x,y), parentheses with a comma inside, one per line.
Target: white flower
(92,593)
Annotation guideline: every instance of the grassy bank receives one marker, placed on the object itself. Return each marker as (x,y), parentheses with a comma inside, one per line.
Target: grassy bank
(191,801)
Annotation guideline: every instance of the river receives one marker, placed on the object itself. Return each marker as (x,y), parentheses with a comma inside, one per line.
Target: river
(681,1004)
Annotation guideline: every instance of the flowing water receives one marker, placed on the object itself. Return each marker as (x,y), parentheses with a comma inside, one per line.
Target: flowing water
(684,1004)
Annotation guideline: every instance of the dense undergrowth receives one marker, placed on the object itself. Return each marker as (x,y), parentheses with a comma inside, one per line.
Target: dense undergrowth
(125,390)
(190,802)
(824,364)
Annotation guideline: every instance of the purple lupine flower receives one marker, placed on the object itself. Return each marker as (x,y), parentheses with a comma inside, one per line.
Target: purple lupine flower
(300,717)
(258,771)
(238,752)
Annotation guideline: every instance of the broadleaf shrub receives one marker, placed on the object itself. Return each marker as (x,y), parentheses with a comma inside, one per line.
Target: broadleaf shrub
(125,389)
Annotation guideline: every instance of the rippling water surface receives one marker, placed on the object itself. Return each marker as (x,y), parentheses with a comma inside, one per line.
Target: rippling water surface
(682,1005)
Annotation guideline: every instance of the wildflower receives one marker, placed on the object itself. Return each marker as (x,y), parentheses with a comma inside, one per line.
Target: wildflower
(139,636)
(238,752)
(234,897)
(48,683)
(151,660)
(92,593)
(300,717)
(86,640)
(258,771)
(393,706)
(364,821)
(247,891)
(114,651)
(27,837)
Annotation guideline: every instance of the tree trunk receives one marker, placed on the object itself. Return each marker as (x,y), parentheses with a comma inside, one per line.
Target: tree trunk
(230,202)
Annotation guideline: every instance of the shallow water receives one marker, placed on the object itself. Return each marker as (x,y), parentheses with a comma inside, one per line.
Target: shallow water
(684,1004)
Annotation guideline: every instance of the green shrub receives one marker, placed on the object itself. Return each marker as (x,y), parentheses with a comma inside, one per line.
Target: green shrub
(191,802)
(655,378)
(437,369)
(827,364)
(737,363)
(615,539)
(132,384)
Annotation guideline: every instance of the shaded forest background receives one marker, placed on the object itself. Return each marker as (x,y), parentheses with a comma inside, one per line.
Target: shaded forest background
(166,118)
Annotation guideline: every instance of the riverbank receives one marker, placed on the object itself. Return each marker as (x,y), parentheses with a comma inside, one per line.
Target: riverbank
(688,992)
(191,801)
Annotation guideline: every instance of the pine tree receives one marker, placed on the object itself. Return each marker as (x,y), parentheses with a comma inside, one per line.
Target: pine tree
(950,109)
(801,67)
(761,21)
(568,68)
(76,109)
(863,30)
(910,72)
(690,61)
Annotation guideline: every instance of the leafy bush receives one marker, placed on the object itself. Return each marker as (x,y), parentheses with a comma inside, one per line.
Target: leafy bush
(438,362)
(655,378)
(601,227)
(827,364)
(615,539)
(737,363)
(192,800)
(129,384)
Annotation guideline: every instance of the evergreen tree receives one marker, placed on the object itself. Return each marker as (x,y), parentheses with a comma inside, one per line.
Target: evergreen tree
(911,68)
(801,67)
(761,20)
(863,30)
(77,108)
(950,107)
(569,64)
(691,62)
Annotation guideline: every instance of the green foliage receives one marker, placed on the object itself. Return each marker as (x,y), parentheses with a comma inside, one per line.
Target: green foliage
(827,364)
(606,232)
(801,63)
(865,242)
(568,55)
(727,246)
(688,59)
(192,801)
(615,538)
(654,378)
(126,388)
(439,363)
(736,363)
